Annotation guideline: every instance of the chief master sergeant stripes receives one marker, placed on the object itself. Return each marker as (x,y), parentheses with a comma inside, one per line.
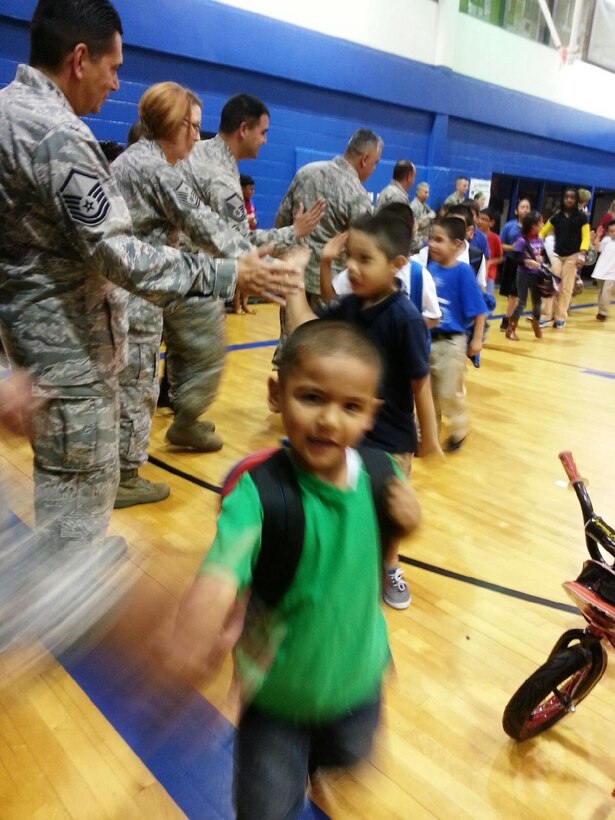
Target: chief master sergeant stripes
(60,258)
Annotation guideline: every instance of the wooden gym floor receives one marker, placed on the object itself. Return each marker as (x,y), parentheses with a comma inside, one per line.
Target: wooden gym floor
(500,533)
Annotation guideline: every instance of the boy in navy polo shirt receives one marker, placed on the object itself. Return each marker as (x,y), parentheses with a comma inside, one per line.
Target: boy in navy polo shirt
(461,302)
(377,247)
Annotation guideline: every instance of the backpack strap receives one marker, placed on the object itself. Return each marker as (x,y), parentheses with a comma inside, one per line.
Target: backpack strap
(380,469)
(416,285)
(283,527)
(476,258)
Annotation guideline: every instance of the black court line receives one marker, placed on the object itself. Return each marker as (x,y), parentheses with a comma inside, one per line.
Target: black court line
(468,579)
(186,476)
(446,573)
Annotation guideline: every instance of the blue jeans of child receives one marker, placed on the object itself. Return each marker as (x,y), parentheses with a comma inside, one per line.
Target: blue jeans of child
(273,757)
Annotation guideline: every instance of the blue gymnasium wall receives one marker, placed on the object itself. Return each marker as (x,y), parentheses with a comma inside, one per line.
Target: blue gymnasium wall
(319,89)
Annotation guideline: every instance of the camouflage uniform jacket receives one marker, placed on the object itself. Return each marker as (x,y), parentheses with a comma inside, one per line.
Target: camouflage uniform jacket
(393,192)
(423,217)
(161,205)
(67,239)
(338,182)
(211,169)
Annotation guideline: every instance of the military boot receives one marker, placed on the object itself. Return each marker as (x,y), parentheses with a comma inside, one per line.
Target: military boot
(195,435)
(136,490)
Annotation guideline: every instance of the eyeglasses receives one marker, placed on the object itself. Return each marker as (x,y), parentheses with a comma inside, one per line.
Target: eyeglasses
(194,126)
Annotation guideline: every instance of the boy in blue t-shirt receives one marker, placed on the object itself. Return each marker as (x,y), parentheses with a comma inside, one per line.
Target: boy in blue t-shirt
(377,247)
(462,302)
(310,679)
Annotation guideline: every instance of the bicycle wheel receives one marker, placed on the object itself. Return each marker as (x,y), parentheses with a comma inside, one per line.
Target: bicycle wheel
(554,690)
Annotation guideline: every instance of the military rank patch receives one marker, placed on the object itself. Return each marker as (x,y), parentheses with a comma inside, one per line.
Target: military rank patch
(85,198)
(235,208)
(187,195)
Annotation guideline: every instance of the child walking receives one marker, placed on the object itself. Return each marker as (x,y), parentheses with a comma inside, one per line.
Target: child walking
(311,696)
(461,301)
(377,247)
(529,248)
(604,271)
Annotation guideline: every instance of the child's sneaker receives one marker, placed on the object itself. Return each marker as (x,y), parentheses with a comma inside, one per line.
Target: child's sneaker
(396,592)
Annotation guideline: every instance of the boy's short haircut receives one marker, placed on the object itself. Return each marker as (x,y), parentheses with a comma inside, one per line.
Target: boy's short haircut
(241,108)
(453,227)
(391,228)
(246,179)
(462,210)
(610,224)
(328,337)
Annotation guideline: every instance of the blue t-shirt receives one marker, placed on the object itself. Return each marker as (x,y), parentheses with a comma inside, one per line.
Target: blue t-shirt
(459,296)
(509,235)
(479,240)
(398,330)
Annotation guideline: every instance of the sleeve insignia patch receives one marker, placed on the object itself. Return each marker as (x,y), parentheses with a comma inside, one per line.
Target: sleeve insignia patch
(188,195)
(85,198)
(235,208)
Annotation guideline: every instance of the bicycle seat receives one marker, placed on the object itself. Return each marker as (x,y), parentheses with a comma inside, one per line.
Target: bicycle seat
(595,587)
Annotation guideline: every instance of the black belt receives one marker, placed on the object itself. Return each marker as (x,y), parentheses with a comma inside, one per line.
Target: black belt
(443,334)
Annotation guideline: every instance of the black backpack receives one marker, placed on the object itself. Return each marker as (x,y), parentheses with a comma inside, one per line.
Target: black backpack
(284,518)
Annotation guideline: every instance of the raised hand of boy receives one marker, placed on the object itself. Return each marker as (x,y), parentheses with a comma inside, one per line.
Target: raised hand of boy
(402,505)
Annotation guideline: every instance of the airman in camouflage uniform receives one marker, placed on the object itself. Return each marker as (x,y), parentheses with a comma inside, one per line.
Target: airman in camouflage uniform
(423,215)
(404,173)
(340,182)
(194,356)
(66,242)
(161,205)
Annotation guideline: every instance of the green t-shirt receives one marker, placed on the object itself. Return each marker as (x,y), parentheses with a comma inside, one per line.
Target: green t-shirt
(325,645)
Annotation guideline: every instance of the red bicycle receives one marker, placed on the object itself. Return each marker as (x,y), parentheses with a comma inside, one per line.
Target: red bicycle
(578,659)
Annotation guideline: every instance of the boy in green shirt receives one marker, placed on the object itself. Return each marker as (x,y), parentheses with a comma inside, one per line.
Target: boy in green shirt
(311,692)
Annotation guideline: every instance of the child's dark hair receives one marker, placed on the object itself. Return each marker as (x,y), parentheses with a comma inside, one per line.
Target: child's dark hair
(529,221)
(328,337)
(608,225)
(454,226)
(462,210)
(390,227)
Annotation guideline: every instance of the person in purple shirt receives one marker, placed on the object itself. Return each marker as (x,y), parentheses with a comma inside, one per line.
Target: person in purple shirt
(508,280)
(528,249)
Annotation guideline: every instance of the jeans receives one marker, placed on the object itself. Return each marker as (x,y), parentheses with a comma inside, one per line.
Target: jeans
(527,282)
(273,757)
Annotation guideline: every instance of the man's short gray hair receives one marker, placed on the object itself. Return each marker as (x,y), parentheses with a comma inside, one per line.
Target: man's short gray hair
(362,141)
(422,186)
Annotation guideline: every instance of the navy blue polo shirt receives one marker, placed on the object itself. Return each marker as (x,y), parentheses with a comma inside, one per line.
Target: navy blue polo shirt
(398,330)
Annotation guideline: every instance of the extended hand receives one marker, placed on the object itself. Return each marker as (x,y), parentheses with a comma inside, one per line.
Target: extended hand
(305,221)
(273,278)
(334,247)
(17,403)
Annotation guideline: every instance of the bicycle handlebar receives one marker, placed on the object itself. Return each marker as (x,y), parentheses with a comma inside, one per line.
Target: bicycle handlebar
(569,466)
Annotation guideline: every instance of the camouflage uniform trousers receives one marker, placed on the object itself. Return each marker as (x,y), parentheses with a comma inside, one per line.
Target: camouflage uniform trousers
(194,335)
(139,388)
(76,466)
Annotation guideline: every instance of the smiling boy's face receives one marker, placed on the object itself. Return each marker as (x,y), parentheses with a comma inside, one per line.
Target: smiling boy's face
(327,403)
(370,272)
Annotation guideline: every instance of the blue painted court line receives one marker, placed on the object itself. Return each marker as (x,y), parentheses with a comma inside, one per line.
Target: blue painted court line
(603,374)
(249,345)
(181,738)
